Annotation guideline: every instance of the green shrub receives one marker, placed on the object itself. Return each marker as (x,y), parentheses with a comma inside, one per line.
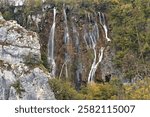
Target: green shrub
(138,91)
(63,90)
(7,15)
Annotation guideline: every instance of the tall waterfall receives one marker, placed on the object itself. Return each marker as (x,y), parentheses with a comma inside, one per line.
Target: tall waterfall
(51,59)
(66,41)
(78,67)
(93,37)
(102,20)
(79,42)
(95,64)
(66,33)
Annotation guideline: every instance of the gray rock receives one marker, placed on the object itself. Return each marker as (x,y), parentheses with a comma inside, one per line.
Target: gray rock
(1,17)
(36,86)
(17,80)
(17,44)
(16,2)
(20,82)
(3,34)
(107,65)
(13,94)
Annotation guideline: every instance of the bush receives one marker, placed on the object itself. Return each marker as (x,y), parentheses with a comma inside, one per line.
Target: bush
(63,90)
(7,15)
(138,91)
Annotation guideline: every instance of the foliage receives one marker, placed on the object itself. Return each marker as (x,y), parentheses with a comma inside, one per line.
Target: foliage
(139,90)
(63,90)
(130,32)
(7,15)
(113,90)
(99,91)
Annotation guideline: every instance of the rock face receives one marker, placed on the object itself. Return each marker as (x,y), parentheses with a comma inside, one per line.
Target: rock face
(17,44)
(17,80)
(13,2)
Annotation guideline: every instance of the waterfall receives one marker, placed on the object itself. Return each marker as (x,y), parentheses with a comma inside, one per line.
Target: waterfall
(96,31)
(78,71)
(66,35)
(102,20)
(92,38)
(76,39)
(51,60)
(66,41)
(86,37)
(95,65)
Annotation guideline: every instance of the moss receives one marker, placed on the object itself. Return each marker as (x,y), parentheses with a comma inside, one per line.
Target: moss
(31,60)
(1,62)
(7,15)
(44,59)
(18,88)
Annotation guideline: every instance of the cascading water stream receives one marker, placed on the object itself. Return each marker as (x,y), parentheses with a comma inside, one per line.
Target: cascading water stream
(103,23)
(94,36)
(66,41)
(51,60)
(96,31)
(90,77)
(78,71)
(66,33)
(95,65)
(91,37)
(85,37)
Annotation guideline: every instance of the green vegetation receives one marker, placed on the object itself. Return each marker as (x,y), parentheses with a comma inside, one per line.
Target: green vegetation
(138,90)
(7,15)
(18,88)
(114,90)
(64,90)
(131,37)
(129,25)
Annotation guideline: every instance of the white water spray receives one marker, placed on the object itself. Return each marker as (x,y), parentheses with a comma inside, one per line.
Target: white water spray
(51,59)
(103,23)
(66,41)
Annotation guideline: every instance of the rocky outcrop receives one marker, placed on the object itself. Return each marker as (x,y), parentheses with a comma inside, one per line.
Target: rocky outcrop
(107,66)
(18,80)
(17,44)
(13,2)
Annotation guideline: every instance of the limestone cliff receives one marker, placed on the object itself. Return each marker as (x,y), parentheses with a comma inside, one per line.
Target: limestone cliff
(21,76)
